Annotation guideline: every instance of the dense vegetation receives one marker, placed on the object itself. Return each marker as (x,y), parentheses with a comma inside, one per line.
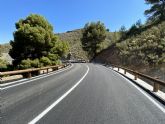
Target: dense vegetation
(35,44)
(142,44)
(145,48)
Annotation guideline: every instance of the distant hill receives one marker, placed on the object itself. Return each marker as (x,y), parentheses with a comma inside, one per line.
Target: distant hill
(74,40)
(4,50)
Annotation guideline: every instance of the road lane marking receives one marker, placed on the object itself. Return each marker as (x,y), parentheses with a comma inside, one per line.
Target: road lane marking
(144,93)
(13,82)
(53,73)
(36,119)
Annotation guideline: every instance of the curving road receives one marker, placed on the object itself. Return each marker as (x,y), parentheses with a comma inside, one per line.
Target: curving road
(81,94)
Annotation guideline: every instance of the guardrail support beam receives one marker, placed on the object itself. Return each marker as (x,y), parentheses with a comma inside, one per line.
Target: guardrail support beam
(125,71)
(135,78)
(118,69)
(29,75)
(156,87)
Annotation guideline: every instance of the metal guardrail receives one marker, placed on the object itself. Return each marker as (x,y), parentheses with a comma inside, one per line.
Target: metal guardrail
(156,81)
(27,72)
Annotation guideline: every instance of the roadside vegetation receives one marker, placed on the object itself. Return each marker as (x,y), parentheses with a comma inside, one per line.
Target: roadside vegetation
(141,44)
(35,44)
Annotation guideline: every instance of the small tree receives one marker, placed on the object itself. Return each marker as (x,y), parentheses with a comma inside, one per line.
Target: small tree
(122,32)
(33,38)
(93,35)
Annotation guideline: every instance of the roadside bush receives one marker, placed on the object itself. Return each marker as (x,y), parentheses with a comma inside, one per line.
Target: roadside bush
(57,62)
(35,63)
(45,61)
(25,64)
(53,57)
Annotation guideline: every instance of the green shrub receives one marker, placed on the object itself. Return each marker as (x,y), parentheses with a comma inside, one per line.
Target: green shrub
(35,63)
(53,57)
(45,61)
(25,64)
(57,62)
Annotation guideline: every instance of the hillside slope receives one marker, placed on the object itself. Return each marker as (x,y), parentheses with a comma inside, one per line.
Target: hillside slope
(146,48)
(74,40)
(144,52)
(4,50)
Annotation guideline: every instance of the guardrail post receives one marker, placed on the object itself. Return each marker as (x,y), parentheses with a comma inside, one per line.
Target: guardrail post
(118,69)
(47,70)
(54,68)
(136,76)
(29,75)
(156,87)
(38,72)
(125,71)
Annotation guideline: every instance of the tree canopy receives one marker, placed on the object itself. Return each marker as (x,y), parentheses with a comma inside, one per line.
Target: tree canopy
(93,35)
(157,10)
(34,38)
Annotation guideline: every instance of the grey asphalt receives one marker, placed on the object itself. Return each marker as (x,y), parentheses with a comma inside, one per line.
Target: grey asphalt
(103,97)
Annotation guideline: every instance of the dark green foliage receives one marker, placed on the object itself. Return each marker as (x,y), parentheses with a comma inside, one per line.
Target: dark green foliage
(45,61)
(35,63)
(25,64)
(33,38)
(54,58)
(60,48)
(157,10)
(93,35)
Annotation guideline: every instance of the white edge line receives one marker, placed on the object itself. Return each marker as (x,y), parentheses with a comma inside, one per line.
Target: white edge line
(56,72)
(144,93)
(13,82)
(42,114)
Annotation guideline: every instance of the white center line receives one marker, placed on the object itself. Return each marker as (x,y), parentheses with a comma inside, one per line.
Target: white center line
(36,119)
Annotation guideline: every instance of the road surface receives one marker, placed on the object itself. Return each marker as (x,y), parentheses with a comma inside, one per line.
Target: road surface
(81,94)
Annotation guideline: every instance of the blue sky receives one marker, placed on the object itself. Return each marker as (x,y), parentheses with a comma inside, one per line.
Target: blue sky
(67,15)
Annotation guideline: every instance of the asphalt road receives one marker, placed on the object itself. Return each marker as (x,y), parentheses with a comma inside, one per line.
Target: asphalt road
(81,94)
